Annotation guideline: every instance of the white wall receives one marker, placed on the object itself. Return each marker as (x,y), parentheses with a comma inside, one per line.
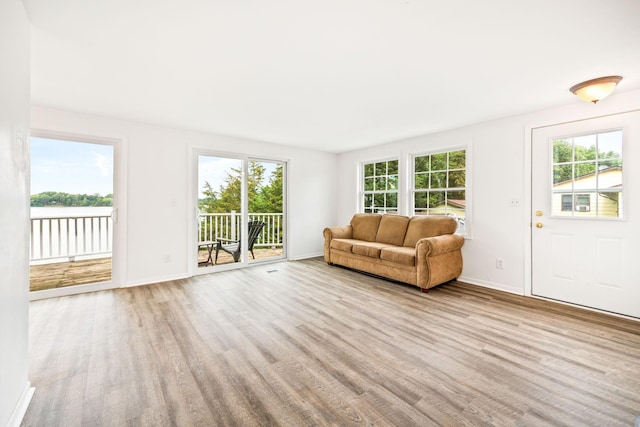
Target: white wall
(158,210)
(500,173)
(14,211)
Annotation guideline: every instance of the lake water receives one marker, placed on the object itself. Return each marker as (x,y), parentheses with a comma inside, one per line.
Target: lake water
(67,212)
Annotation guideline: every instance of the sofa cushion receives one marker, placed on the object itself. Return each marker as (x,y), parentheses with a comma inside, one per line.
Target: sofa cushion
(422,226)
(365,226)
(342,244)
(399,255)
(368,249)
(392,229)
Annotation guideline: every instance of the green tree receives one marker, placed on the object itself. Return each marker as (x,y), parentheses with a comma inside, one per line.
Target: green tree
(228,198)
(208,203)
(262,198)
(576,160)
(254,183)
(52,198)
(272,194)
(230,192)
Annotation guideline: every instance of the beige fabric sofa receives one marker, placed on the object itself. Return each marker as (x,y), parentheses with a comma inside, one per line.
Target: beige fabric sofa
(419,250)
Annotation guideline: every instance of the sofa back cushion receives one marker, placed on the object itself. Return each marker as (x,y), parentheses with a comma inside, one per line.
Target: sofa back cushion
(392,229)
(365,226)
(422,226)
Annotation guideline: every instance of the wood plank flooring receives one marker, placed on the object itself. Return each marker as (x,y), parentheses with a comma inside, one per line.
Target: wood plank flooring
(304,344)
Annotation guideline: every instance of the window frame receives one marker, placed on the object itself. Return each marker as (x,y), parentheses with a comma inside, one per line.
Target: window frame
(363,191)
(464,228)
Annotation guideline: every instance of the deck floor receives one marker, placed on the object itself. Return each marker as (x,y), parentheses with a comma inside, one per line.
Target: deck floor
(71,273)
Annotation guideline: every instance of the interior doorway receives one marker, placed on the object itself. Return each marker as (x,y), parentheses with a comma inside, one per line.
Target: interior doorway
(72,213)
(584,213)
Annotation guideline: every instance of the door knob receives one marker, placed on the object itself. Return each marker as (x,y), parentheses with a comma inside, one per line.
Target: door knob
(539,224)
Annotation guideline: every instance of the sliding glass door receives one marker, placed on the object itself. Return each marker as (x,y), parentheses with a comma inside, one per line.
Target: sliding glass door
(240,211)
(266,207)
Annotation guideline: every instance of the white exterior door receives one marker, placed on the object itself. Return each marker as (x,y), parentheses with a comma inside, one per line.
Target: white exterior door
(586,213)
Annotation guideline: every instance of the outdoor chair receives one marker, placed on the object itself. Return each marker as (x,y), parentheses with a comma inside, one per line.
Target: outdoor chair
(232,247)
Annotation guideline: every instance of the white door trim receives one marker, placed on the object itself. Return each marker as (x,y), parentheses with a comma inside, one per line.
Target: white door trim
(607,111)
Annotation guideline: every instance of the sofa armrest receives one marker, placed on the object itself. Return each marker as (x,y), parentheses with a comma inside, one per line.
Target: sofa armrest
(438,245)
(438,259)
(336,232)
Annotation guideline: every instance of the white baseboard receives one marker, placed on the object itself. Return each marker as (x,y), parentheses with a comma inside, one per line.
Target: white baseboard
(159,279)
(21,408)
(492,285)
(306,256)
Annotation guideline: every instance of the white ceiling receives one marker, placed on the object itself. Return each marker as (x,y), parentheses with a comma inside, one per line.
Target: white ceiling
(333,75)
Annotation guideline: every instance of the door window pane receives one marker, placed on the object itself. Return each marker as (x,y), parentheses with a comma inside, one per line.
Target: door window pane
(220,207)
(587,175)
(266,210)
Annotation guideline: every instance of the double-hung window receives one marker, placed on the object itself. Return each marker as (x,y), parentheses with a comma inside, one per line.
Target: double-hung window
(439,185)
(380,187)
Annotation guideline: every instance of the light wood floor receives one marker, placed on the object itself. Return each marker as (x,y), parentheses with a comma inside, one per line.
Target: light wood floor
(301,343)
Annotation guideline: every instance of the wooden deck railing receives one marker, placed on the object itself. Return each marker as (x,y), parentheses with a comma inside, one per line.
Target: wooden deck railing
(227,225)
(73,236)
(68,237)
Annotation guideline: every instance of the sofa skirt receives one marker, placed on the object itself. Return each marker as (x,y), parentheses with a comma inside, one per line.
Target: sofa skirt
(402,273)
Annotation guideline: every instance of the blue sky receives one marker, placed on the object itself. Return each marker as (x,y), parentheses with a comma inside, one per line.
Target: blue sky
(71,167)
(214,171)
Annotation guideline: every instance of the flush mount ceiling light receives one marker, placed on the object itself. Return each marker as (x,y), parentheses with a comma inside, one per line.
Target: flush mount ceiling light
(596,89)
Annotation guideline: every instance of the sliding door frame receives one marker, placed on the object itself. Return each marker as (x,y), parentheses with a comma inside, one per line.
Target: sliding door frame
(119,215)
(194,213)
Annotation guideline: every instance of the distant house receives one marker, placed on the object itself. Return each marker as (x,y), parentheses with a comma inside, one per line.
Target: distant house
(595,194)
(450,207)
